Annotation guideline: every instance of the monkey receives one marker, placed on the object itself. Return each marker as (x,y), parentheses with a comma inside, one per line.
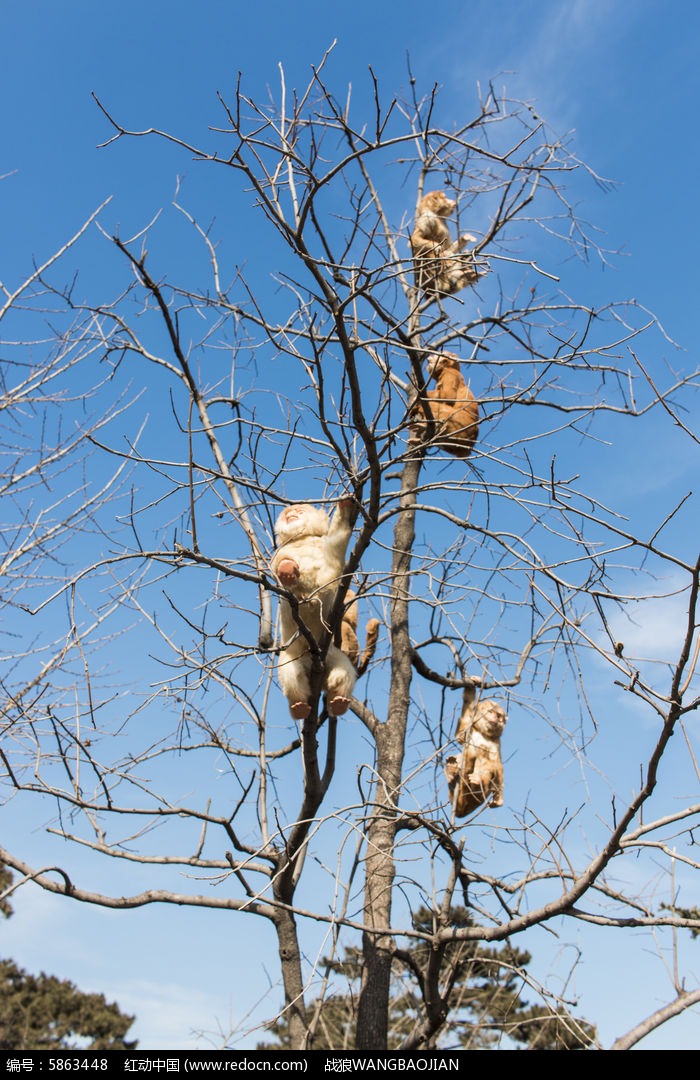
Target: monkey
(478,771)
(440,267)
(453,407)
(348,628)
(309,562)
(348,635)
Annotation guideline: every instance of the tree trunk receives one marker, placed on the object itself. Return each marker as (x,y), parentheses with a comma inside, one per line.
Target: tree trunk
(377,944)
(290,963)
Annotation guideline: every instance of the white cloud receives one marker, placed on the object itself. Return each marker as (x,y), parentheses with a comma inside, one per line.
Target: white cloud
(653,628)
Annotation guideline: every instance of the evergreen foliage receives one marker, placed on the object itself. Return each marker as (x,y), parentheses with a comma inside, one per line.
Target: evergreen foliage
(42,1012)
(486,995)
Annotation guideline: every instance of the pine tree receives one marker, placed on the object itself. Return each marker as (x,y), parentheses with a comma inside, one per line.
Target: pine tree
(42,1012)
(487,1003)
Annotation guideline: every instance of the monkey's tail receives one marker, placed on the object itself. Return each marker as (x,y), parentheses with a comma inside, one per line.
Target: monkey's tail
(371,638)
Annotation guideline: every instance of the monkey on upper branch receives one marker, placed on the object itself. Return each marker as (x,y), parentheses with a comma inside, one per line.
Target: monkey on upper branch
(477,772)
(442,267)
(309,563)
(453,408)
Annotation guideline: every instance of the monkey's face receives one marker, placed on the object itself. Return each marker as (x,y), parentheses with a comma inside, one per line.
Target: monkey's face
(301,519)
(491,720)
(438,203)
(439,361)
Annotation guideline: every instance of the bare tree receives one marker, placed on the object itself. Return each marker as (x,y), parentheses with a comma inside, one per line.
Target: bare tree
(148,453)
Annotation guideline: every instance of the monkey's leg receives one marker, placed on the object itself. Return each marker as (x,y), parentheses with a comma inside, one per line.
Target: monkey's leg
(295,684)
(485,778)
(497,785)
(340,680)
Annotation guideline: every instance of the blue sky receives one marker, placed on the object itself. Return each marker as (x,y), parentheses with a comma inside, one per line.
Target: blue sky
(623,76)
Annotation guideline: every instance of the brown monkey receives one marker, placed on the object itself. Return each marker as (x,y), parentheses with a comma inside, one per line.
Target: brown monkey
(348,628)
(478,771)
(453,407)
(441,268)
(348,635)
(308,563)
